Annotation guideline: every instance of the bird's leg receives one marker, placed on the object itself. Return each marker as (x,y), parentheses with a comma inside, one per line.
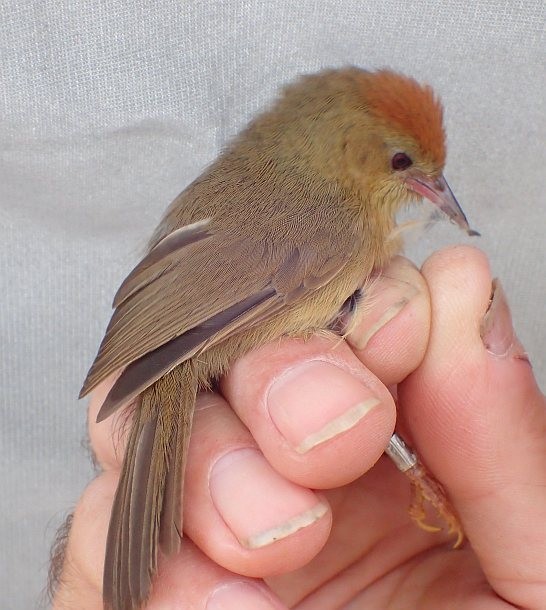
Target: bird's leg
(424,488)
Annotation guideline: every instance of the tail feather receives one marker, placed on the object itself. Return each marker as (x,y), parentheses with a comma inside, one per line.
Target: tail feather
(170,532)
(117,542)
(146,513)
(142,505)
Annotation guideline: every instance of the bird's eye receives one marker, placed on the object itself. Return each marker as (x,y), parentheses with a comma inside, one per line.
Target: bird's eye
(400,161)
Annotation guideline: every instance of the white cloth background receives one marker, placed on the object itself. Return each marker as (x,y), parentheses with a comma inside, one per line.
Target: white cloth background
(109,108)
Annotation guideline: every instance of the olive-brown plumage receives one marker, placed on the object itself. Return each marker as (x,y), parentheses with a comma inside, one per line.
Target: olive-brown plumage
(270,240)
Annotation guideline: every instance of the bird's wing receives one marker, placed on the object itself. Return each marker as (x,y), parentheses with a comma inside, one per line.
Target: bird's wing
(193,289)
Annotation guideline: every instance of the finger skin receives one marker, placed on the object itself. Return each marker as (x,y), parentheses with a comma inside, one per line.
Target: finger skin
(223,521)
(248,388)
(479,422)
(187,580)
(81,579)
(398,347)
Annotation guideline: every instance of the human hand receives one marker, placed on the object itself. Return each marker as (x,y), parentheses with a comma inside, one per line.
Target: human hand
(477,420)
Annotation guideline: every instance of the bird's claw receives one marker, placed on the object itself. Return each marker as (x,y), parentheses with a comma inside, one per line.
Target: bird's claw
(417,513)
(424,488)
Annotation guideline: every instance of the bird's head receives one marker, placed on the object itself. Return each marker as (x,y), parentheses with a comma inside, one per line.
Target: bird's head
(398,150)
(377,133)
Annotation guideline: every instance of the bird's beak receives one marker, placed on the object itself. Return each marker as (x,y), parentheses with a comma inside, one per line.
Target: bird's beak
(437,190)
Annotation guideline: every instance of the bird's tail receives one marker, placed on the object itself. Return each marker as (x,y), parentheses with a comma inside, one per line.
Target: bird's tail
(146,514)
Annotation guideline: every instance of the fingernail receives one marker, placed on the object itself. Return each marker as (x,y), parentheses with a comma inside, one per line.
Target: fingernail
(256,502)
(316,401)
(496,328)
(242,596)
(384,301)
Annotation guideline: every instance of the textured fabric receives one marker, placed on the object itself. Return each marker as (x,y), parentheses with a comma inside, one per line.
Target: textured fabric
(108,109)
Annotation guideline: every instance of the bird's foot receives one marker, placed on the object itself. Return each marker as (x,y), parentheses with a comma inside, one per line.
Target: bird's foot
(425,489)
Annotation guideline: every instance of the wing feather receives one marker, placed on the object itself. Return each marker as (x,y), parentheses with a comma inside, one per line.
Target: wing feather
(159,257)
(193,290)
(148,368)
(194,287)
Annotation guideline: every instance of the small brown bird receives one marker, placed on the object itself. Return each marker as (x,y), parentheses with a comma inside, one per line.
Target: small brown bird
(272,239)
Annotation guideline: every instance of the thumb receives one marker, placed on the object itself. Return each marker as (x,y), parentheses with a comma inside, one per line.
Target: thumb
(478,420)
